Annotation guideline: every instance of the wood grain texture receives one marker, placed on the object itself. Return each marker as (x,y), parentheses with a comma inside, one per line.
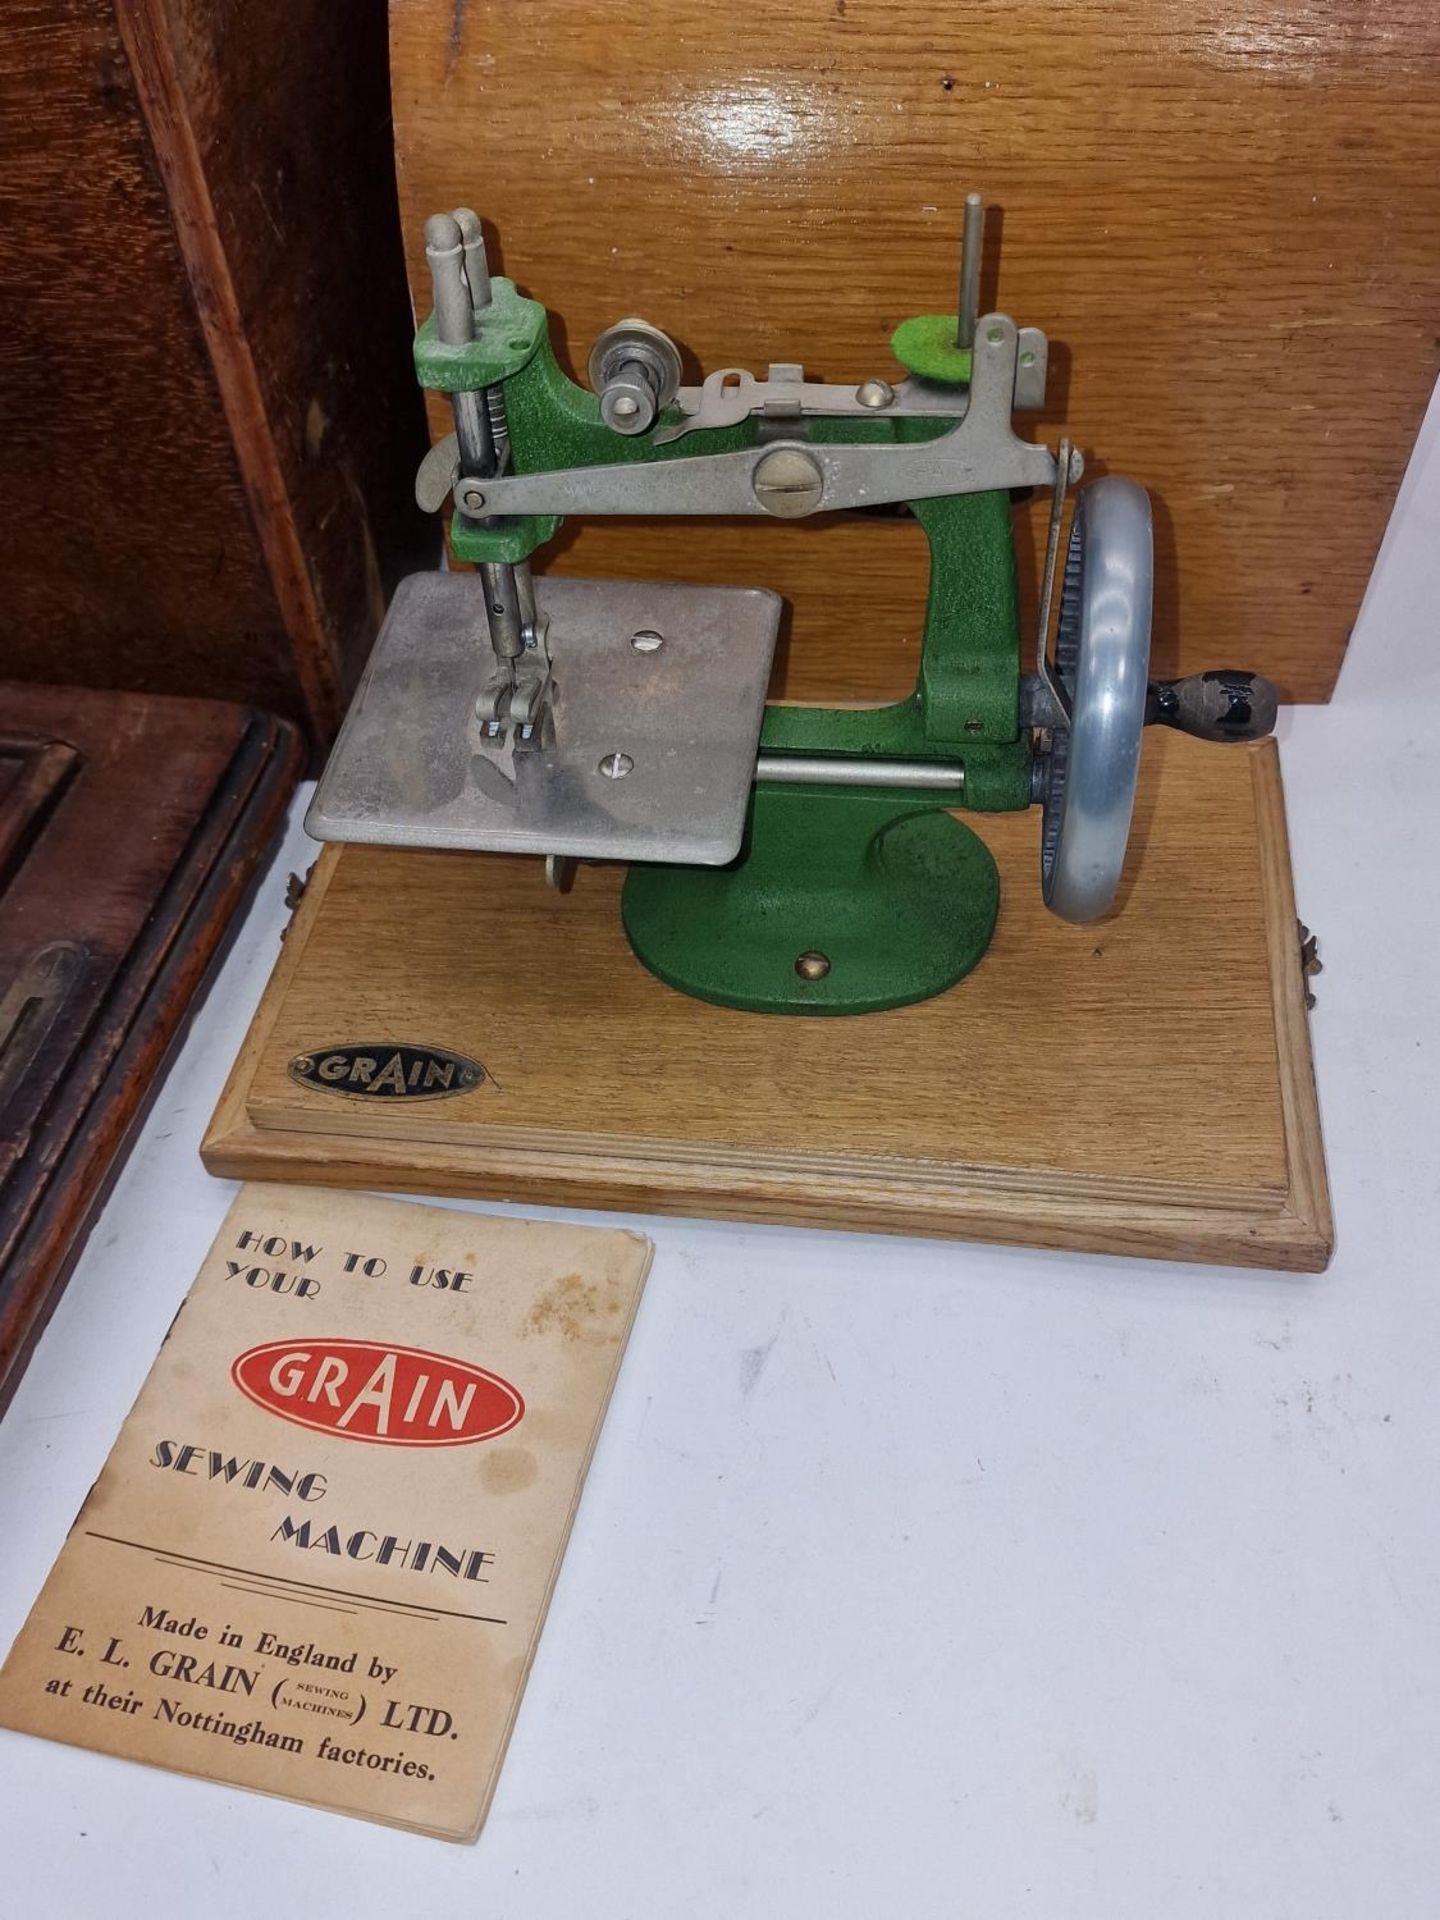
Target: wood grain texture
(210,422)
(1140,1086)
(126,556)
(1308,1195)
(1229,221)
(136,859)
(268,125)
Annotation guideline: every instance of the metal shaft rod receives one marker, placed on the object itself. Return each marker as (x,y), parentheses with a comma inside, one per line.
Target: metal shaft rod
(477,267)
(445,251)
(971,248)
(455,249)
(858,770)
(499,427)
(525,589)
(502,609)
(475,435)
(510,595)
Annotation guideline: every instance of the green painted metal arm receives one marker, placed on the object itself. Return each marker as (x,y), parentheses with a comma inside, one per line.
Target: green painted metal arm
(966,701)
(966,704)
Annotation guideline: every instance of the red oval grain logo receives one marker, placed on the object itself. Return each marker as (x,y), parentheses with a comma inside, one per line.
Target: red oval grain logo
(365,1390)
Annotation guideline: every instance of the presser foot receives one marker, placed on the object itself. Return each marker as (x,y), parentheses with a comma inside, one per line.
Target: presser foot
(515,691)
(841,902)
(629,732)
(492,703)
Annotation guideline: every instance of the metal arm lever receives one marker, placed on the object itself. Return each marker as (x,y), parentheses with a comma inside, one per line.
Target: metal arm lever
(790,479)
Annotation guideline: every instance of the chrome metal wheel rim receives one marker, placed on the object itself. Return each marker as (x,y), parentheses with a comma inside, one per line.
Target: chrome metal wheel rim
(1103,657)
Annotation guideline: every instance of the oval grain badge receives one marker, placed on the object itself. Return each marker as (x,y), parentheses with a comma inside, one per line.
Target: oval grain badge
(385,1070)
(367,1390)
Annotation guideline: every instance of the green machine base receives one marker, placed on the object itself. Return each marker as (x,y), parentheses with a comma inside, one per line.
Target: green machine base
(840,902)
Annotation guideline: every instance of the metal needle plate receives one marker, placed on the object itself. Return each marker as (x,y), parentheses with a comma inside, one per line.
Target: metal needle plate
(645,751)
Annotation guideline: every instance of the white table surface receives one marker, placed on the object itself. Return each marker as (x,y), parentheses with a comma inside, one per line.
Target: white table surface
(912,1578)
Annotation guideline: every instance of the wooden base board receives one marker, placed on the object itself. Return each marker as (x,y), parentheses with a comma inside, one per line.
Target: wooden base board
(1143,1086)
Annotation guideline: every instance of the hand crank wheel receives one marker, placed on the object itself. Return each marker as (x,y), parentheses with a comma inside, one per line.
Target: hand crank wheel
(1103,656)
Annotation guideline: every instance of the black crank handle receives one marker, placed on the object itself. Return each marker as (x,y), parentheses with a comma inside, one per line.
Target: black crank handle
(1224,705)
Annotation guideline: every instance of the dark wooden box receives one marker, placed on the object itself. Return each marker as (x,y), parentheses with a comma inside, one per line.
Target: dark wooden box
(129,830)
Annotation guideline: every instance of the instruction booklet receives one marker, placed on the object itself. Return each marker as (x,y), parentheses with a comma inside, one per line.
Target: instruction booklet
(318,1558)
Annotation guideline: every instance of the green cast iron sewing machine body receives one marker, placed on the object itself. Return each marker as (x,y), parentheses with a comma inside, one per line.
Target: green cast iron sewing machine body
(782,858)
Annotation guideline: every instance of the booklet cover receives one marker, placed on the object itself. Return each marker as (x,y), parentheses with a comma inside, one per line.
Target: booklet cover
(318,1558)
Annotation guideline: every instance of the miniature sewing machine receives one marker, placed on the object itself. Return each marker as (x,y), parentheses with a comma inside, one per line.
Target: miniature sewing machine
(1128,1069)
(782,858)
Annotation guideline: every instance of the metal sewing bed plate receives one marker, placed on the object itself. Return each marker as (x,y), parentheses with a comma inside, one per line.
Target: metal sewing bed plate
(412,766)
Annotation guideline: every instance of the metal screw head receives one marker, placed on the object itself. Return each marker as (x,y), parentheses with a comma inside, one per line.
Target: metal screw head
(615,766)
(812,965)
(875,393)
(647,640)
(788,483)
(470,498)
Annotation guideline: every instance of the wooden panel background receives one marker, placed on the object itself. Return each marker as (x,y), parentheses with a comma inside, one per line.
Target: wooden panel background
(269,124)
(209,420)
(119,480)
(1228,218)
